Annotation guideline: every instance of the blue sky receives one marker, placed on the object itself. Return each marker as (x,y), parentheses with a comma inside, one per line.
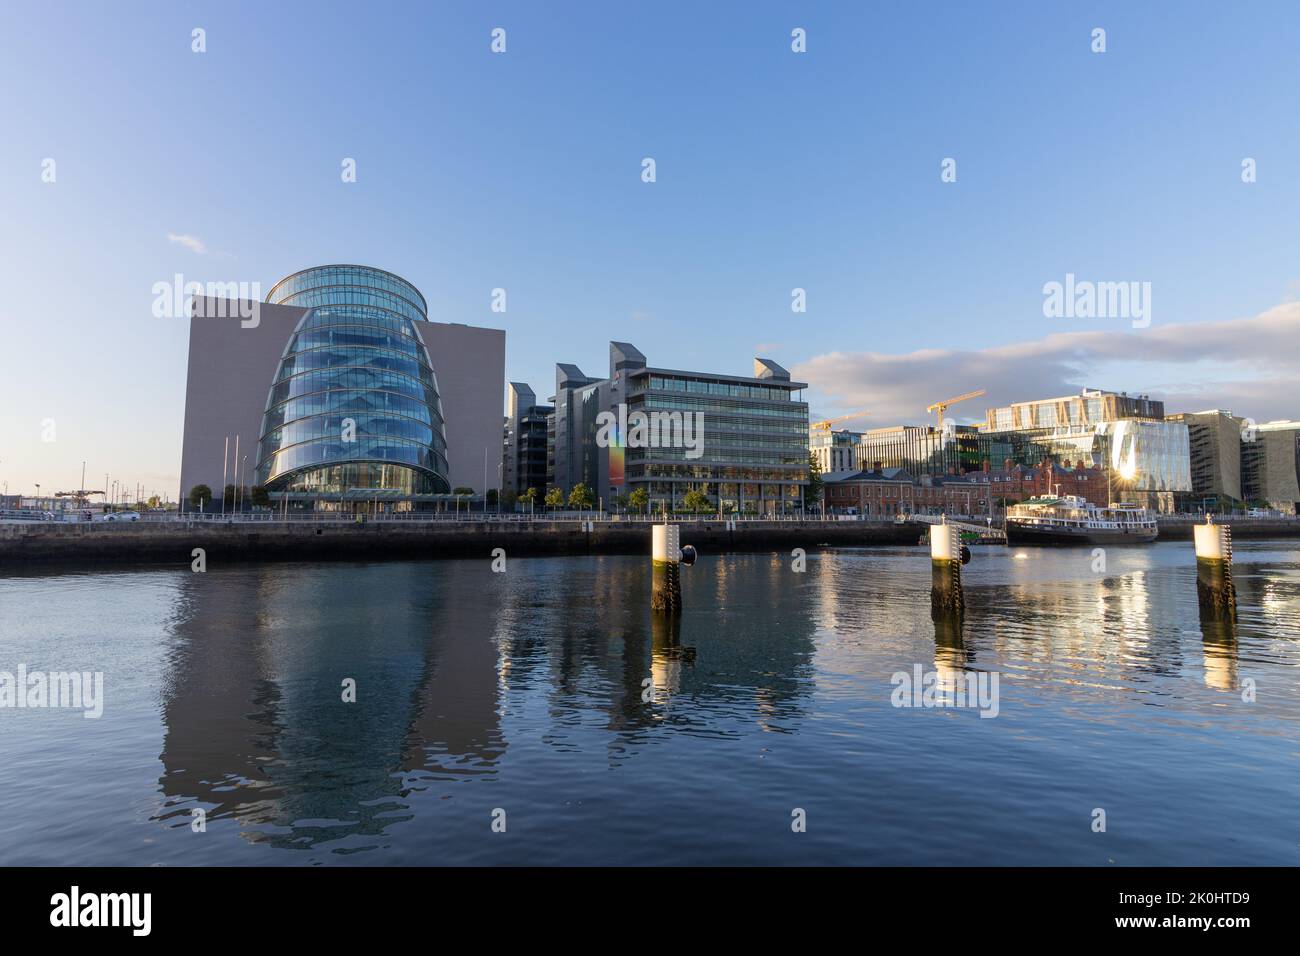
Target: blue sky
(775,170)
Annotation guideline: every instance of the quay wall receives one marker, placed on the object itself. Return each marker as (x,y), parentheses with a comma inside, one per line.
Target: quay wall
(172,542)
(1179,528)
(95,543)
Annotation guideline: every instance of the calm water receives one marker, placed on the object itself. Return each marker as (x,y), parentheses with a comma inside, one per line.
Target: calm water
(524,691)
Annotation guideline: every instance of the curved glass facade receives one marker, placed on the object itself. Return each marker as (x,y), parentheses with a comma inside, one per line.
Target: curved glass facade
(354,407)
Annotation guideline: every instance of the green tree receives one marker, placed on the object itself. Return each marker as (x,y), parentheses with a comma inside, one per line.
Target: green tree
(581,497)
(555,498)
(462,490)
(529,498)
(621,501)
(696,501)
(228,496)
(259,496)
(812,492)
(200,496)
(639,499)
(508,499)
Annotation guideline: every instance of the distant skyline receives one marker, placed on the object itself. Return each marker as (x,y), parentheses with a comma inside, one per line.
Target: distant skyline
(775,170)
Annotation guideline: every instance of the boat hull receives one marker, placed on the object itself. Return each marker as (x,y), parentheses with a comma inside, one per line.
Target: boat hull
(1028,534)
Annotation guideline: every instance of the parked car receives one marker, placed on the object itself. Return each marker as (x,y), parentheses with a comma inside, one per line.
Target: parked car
(121,516)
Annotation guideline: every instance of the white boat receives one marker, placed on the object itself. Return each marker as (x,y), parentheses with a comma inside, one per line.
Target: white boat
(1070,519)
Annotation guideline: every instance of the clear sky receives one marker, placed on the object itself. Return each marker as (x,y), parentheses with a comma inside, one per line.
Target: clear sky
(775,170)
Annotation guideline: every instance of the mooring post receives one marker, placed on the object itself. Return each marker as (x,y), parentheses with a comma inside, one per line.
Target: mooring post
(946,553)
(1214,588)
(668,556)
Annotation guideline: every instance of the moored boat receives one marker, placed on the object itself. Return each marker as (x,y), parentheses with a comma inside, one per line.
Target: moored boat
(1070,519)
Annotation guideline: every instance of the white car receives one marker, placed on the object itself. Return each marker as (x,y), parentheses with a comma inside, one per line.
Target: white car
(121,516)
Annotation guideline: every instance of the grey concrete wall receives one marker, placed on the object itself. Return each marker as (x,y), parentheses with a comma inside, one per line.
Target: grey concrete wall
(470,363)
(90,544)
(229,378)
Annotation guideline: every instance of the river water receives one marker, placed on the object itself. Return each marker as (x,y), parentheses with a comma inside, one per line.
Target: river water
(542,715)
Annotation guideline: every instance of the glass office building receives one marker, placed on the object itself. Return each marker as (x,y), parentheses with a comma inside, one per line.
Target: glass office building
(525,441)
(922,449)
(1149,457)
(754,451)
(755,439)
(743,439)
(353,419)
(1150,461)
(1089,407)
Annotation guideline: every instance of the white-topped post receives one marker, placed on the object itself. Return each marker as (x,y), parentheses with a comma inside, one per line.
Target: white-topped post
(1214,587)
(945,569)
(666,555)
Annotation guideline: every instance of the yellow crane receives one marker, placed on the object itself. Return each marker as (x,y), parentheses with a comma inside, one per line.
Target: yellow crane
(826,423)
(942,406)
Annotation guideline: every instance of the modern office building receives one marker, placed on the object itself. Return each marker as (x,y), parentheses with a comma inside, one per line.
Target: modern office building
(573,457)
(1149,458)
(341,395)
(1149,461)
(749,452)
(833,450)
(1215,444)
(1087,408)
(1271,465)
(525,442)
(922,449)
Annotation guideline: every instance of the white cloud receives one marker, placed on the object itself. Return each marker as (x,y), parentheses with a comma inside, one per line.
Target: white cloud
(193,243)
(1250,366)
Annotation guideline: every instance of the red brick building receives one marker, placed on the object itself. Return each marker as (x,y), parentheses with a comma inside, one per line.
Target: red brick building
(892,491)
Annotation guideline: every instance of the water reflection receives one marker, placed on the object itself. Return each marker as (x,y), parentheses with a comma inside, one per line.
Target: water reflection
(1219,639)
(256,724)
(667,656)
(257,729)
(951,656)
(553,690)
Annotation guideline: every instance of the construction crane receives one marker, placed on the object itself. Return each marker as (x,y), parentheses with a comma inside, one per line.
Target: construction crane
(828,422)
(942,406)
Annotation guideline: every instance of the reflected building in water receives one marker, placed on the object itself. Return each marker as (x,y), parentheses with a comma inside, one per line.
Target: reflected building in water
(606,649)
(256,727)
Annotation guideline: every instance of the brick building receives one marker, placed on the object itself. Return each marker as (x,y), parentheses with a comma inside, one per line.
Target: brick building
(892,491)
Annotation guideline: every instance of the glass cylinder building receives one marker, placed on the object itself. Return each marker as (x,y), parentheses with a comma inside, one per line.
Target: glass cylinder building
(353,418)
